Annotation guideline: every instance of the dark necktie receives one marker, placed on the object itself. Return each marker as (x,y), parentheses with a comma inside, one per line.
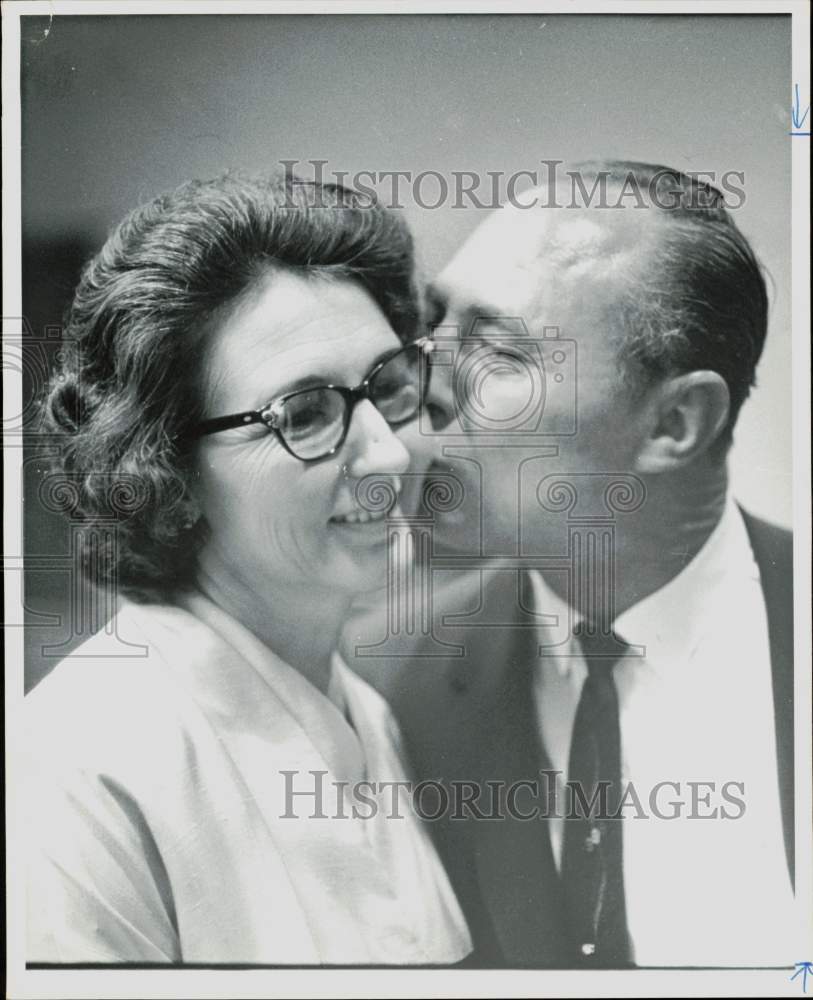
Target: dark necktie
(592,858)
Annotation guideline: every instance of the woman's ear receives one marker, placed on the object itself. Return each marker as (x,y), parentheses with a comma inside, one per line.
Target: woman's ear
(687,414)
(191,519)
(189,509)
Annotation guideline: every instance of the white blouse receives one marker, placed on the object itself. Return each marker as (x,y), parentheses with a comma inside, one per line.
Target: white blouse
(163,826)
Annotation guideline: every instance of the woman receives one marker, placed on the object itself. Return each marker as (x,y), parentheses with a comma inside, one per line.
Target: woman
(243,369)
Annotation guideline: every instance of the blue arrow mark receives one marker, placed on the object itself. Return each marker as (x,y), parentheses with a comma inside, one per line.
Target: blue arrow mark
(802,970)
(795,110)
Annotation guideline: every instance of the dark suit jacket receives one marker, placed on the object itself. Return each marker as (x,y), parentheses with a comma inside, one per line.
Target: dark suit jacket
(473,719)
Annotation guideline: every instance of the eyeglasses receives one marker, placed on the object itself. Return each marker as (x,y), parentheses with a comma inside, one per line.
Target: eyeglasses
(313,423)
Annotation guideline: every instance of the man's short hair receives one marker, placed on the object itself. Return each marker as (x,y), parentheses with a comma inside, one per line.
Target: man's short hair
(702,301)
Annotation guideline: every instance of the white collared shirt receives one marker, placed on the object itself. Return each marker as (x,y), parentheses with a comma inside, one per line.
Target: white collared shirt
(697,706)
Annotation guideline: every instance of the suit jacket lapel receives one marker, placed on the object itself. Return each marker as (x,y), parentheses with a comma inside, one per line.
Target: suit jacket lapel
(773,551)
(517,876)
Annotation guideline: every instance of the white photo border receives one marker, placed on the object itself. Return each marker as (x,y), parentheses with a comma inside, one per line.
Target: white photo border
(402,982)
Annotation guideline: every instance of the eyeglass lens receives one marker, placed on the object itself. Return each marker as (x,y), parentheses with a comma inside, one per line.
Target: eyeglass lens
(312,422)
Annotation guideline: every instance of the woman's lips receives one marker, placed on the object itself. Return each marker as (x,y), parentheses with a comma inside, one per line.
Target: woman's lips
(359,517)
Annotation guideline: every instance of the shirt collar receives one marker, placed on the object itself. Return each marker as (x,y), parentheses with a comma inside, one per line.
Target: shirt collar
(670,622)
(548,602)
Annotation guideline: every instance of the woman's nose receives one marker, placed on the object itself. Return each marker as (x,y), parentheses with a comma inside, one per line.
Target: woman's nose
(372,445)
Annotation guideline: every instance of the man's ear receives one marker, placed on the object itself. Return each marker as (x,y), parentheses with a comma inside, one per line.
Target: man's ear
(687,414)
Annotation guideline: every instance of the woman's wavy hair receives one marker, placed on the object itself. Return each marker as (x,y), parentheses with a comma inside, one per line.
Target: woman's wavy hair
(125,400)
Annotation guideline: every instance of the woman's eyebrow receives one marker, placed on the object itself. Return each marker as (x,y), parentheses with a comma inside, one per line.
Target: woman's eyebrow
(314,381)
(305,382)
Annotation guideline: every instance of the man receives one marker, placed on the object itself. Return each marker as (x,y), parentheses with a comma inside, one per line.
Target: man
(650,657)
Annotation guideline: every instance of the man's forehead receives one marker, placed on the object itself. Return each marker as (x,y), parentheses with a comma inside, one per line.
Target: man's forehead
(515,254)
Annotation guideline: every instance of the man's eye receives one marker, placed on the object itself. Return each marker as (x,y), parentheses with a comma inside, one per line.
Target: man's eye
(500,352)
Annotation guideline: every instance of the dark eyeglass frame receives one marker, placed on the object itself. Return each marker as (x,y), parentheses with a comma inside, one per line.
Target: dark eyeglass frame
(268,414)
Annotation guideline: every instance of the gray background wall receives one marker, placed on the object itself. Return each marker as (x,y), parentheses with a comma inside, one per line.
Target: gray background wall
(116,109)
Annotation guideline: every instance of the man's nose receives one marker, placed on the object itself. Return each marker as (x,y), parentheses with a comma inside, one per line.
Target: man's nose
(372,445)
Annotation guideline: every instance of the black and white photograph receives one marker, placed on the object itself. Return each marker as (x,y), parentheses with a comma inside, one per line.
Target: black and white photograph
(407,507)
